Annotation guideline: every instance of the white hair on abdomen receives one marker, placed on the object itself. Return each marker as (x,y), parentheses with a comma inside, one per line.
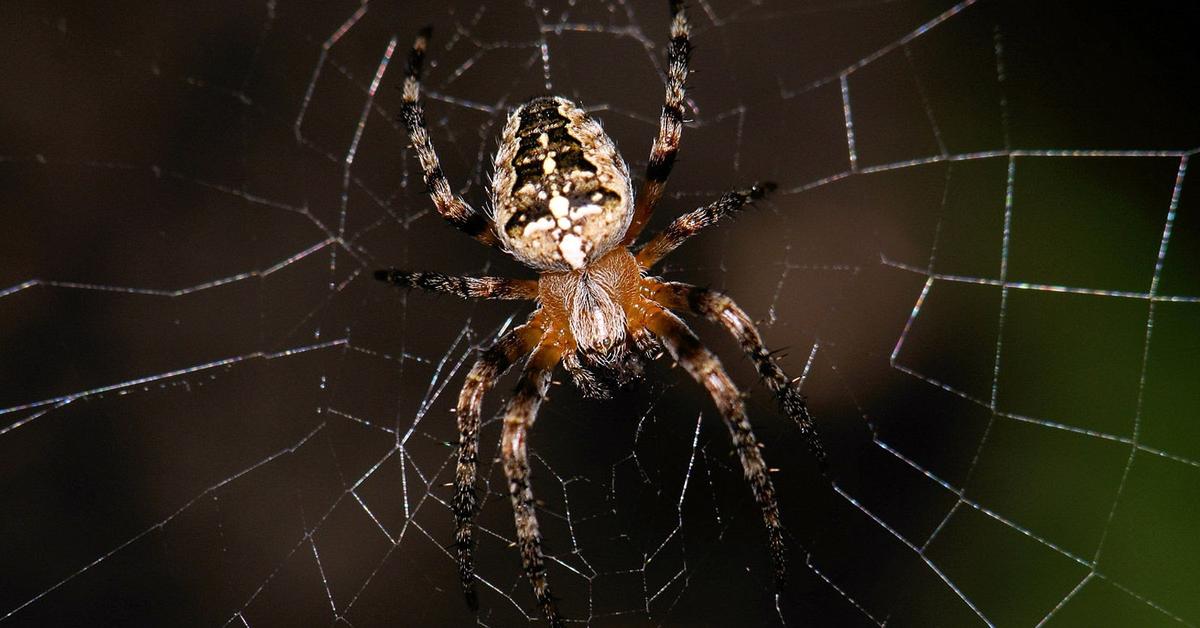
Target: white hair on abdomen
(571,248)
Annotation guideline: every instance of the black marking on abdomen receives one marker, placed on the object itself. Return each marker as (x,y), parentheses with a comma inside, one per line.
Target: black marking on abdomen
(539,113)
(516,225)
(541,116)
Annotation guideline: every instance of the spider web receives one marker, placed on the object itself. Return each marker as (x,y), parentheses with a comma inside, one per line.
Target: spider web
(978,262)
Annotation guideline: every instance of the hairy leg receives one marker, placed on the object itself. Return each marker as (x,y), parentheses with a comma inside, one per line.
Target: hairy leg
(696,221)
(719,308)
(518,419)
(465,287)
(670,125)
(450,205)
(706,369)
(483,376)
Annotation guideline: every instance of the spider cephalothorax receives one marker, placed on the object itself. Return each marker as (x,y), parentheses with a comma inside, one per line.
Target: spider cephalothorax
(563,204)
(595,304)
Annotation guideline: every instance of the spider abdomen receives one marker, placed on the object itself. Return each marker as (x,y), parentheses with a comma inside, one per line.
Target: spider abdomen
(562,197)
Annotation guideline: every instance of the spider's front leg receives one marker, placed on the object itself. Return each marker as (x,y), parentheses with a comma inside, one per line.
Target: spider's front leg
(706,369)
(518,418)
(490,366)
(720,308)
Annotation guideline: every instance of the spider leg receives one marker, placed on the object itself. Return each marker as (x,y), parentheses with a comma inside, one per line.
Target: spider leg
(696,221)
(465,287)
(706,369)
(518,418)
(670,124)
(451,206)
(720,308)
(488,369)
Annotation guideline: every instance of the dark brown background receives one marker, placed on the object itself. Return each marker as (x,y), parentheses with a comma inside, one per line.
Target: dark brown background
(148,153)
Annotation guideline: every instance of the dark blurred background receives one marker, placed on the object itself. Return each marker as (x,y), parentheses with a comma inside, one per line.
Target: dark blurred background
(210,414)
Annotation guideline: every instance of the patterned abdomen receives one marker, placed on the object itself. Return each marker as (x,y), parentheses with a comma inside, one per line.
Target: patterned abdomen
(562,192)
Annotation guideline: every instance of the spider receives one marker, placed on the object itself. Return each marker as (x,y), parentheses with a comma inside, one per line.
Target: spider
(563,204)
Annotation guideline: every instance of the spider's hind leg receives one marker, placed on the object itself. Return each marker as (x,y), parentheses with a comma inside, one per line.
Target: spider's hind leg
(451,206)
(670,125)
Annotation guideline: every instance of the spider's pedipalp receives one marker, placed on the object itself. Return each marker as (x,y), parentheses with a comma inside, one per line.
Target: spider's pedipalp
(720,308)
(518,418)
(670,125)
(492,364)
(693,222)
(502,288)
(451,206)
(706,369)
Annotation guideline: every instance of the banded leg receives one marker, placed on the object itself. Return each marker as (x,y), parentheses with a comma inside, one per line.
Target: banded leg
(450,205)
(483,376)
(696,221)
(706,369)
(670,125)
(465,287)
(720,308)
(518,418)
